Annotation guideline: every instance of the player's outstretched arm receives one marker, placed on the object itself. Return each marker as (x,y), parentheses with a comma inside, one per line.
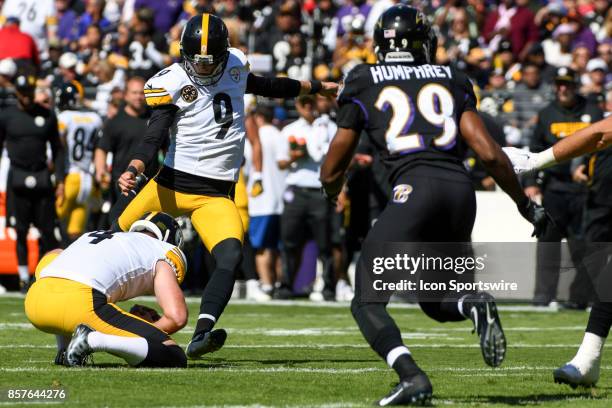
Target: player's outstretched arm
(338,159)
(287,87)
(499,167)
(155,135)
(593,138)
(170,298)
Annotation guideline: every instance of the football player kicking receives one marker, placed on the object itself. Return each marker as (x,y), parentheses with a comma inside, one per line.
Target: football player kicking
(420,116)
(583,369)
(201,103)
(79,131)
(76,290)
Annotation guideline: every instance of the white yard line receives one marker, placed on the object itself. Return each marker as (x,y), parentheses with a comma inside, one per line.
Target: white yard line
(307,303)
(329,346)
(308,370)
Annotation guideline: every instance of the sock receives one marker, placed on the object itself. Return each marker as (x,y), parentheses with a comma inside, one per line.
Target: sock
(588,356)
(205,323)
(405,367)
(132,349)
(600,319)
(460,307)
(395,354)
(24,273)
(62,341)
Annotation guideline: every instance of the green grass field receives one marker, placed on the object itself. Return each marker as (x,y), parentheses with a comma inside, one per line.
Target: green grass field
(300,355)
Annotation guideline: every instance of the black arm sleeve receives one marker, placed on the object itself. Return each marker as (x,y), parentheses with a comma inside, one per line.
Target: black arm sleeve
(273,87)
(58,151)
(157,133)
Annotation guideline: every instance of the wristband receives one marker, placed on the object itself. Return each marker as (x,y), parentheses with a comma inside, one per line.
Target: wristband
(256,176)
(315,87)
(132,170)
(545,159)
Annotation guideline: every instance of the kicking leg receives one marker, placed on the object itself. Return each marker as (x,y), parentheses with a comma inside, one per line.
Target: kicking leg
(219,225)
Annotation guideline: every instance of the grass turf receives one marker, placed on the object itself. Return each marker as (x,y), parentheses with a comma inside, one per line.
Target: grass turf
(312,356)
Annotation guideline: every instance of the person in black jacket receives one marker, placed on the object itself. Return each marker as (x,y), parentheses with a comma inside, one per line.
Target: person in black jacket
(560,194)
(26,129)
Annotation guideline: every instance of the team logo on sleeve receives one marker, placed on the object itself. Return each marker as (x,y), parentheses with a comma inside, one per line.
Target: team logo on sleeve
(189,93)
(235,74)
(401,193)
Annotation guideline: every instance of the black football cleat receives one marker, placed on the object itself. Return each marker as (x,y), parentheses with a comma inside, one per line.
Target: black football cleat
(205,342)
(78,350)
(483,313)
(60,357)
(416,390)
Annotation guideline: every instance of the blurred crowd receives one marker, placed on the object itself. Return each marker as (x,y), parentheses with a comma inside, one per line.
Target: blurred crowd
(511,49)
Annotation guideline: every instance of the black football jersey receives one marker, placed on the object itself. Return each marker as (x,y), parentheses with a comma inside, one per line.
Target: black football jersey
(410,112)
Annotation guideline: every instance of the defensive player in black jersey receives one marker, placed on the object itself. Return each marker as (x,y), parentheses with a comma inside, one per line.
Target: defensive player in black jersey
(420,116)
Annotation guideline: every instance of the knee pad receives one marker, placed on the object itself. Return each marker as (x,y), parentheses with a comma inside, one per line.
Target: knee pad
(228,254)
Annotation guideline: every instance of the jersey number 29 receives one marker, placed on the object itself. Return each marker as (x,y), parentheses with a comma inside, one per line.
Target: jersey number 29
(434,103)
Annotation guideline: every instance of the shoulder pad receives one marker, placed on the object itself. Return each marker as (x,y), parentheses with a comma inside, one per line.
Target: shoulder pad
(176,259)
(354,82)
(237,58)
(164,87)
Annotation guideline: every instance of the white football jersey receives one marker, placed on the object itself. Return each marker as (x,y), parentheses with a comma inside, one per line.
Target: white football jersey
(207,136)
(34,16)
(81,129)
(121,265)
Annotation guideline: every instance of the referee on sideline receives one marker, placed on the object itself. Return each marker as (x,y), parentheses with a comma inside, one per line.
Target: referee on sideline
(26,129)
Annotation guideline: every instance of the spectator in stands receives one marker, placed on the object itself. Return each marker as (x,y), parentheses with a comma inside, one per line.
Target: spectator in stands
(67,70)
(92,15)
(558,49)
(536,56)
(274,40)
(67,27)
(459,42)
(596,18)
(580,57)
(513,21)
(595,81)
(531,93)
(108,79)
(18,45)
(306,212)
(352,49)
(445,18)
(166,12)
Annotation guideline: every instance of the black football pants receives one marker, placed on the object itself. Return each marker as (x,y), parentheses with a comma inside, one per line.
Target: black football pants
(437,210)
(566,209)
(306,214)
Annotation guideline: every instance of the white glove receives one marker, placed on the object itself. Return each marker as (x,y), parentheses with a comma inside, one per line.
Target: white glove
(523,161)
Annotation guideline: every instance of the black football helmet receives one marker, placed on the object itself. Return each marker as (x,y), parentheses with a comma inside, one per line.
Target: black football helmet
(403,34)
(204,48)
(162,225)
(67,96)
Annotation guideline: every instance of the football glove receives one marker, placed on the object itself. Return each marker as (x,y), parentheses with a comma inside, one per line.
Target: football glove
(146,313)
(536,215)
(257,186)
